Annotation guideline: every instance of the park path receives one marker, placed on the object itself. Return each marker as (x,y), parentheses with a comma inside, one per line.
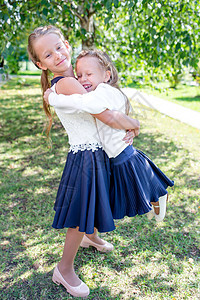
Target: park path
(168,108)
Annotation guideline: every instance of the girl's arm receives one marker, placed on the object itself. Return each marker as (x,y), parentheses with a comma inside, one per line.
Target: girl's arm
(69,86)
(117,119)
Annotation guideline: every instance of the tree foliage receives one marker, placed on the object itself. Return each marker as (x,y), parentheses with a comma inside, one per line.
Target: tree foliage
(156,36)
(160,36)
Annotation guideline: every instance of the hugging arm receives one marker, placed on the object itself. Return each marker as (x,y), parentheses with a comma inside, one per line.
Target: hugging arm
(118,120)
(89,102)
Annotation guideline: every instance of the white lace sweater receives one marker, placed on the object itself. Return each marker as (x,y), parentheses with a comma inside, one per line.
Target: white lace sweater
(81,129)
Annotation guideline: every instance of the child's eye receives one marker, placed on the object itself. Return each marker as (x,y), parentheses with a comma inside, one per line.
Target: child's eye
(48,55)
(89,74)
(78,76)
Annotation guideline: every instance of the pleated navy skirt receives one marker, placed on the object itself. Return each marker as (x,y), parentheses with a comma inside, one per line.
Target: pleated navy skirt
(83,194)
(135,182)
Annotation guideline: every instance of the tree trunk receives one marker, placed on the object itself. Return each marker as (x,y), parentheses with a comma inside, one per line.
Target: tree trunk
(85,16)
(87,23)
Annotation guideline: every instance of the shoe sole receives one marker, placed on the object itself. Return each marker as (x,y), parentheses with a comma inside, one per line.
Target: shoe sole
(58,282)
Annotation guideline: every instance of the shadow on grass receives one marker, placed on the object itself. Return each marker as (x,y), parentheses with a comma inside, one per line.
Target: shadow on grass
(189,99)
(29,281)
(19,83)
(39,286)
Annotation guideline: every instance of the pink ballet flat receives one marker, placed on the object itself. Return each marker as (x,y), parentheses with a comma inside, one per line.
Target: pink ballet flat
(81,290)
(86,242)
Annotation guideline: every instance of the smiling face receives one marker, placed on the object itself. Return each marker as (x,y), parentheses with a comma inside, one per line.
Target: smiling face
(53,53)
(90,73)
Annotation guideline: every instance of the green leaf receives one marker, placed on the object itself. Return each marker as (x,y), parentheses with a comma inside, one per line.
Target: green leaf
(23,18)
(78,34)
(186,62)
(51,11)
(83,31)
(5,17)
(38,13)
(106,21)
(44,2)
(181,6)
(109,5)
(45,11)
(116,3)
(87,5)
(130,4)
(178,46)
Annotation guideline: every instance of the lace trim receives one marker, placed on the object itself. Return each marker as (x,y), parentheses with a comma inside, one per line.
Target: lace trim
(83,147)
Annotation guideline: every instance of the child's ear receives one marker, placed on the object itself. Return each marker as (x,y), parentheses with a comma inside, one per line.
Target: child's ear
(69,48)
(67,44)
(39,64)
(107,76)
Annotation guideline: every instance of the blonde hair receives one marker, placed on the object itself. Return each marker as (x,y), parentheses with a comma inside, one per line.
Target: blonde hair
(106,63)
(45,80)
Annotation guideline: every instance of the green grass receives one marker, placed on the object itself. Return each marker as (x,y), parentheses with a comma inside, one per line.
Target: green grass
(32,73)
(185,95)
(150,261)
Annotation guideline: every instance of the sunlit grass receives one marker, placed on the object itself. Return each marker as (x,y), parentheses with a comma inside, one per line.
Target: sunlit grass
(150,261)
(185,95)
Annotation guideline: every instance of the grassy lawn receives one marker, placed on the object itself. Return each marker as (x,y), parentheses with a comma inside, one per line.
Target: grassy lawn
(150,260)
(185,95)
(29,73)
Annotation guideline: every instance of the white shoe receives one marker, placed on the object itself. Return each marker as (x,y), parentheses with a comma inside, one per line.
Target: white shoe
(162,208)
(86,242)
(81,290)
(150,214)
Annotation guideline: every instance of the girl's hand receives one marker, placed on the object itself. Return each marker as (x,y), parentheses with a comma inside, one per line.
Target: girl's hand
(136,132)
(46,95)
(130,135)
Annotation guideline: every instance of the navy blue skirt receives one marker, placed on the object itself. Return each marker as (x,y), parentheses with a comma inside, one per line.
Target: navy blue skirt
(83,195)
(135,182)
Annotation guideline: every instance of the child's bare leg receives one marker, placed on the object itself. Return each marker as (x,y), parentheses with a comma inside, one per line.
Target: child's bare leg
(156,207)
(66,265)
(160,208)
